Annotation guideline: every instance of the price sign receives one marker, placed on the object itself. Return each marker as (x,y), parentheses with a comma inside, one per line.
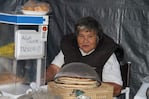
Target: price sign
(29,44)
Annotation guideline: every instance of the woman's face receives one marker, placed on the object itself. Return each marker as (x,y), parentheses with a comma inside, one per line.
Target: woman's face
(87,40)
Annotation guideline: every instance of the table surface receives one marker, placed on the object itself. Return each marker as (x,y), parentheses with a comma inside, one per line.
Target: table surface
(141,94)
(20,90)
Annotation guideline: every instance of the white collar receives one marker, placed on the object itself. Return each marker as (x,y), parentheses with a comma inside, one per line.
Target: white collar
(84,54)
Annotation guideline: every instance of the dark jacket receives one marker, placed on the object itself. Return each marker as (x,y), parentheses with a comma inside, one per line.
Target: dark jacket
(105,48)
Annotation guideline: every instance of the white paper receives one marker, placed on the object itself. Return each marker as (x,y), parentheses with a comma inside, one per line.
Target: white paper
(29,44)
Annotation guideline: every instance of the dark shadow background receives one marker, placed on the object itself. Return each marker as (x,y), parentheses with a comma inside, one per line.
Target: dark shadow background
(126,21)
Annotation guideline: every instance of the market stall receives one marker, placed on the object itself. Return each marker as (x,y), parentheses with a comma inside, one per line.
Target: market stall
(23,48)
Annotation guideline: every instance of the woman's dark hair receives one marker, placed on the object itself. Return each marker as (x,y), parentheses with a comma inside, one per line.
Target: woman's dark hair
(89,23)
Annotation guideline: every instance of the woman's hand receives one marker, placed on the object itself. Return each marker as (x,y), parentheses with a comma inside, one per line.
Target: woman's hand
(51,72)
(117,88)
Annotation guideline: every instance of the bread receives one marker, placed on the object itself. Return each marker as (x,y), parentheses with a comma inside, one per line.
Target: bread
(38,7)
(76,82)
(7,78)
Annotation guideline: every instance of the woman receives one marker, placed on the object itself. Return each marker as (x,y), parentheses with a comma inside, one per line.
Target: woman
(89,45)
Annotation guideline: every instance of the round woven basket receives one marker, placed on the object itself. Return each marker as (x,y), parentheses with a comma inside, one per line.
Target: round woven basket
(104,91)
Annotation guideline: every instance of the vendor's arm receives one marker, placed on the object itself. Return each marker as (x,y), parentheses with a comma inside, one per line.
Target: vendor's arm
(51,72)
(117,88)
(112,74)
(55,66)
